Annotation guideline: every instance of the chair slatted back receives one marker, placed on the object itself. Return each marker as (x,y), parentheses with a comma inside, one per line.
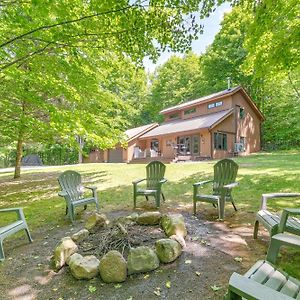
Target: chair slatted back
(70,182)
(155,172)
(225,172)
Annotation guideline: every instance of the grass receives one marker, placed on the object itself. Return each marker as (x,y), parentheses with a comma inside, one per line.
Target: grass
(261,173)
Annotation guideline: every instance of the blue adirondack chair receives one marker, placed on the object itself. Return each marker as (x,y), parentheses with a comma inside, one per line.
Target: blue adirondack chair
(154,181)
(13,227)
(73,193)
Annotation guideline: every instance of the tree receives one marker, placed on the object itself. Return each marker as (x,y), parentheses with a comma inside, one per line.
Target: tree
(54,56)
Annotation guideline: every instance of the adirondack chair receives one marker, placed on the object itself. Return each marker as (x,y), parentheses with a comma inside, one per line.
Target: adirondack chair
(73,193)
(155,171)
(13,227)
(263,281)
(282,238)
(271,220)
(225,172)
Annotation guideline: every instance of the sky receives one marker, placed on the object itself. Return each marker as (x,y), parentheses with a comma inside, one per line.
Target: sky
(211,28)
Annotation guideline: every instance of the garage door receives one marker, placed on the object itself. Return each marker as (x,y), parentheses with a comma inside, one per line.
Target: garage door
(115,155)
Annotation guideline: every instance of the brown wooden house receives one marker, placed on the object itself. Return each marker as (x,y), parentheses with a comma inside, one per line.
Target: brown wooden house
(211,127)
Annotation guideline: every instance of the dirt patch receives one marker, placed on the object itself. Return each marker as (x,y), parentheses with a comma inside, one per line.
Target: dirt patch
(207,260)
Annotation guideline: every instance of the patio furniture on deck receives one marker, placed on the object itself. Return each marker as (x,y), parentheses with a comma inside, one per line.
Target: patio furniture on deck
(271,220)
(155,171)
(225,172)
(13,227)
(73,192)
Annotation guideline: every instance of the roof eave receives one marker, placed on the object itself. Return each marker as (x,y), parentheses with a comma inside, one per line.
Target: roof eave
(142,132)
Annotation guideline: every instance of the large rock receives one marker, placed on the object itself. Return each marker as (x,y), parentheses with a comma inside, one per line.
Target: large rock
(178,239)
(63,250)
(113,267)
(142,259)
(133,217)
(149,218)
(95,221)
(86,267)
(167,250)
(174,225)
(80,235)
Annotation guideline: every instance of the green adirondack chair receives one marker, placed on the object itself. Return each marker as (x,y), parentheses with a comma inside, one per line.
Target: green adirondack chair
(225,172)
(13,227)
(284,238)
(263,281)
(271,220)
(73,193)
(154,180)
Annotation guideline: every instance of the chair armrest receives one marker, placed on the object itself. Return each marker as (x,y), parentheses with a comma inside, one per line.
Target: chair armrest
(93,188)
(138,181)
(265,197)
(231,185)
(284,217)
(202,182)
(251,289)
(10,209)
(62,194)
(163,180)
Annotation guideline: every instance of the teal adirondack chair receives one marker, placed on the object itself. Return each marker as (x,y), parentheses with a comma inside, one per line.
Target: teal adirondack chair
(225,172)
(13,227)
(263,281)
(154,180)
(73,193)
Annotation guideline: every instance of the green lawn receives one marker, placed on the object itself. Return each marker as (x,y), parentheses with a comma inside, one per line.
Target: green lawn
(37,190)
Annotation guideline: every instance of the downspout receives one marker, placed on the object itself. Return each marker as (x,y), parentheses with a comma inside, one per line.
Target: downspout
(211,144)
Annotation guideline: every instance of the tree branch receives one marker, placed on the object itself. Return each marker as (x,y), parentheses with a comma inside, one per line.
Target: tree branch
(293,86)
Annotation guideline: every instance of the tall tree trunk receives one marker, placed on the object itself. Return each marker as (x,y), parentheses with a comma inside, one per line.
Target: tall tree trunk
(19,154)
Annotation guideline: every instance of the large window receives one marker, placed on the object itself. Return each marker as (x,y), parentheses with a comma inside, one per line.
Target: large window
(174,116)
(220,141)
(154,145)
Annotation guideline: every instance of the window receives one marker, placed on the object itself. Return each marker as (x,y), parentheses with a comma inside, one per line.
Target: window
(242,113)
(154,145)
(195,144)
(243,142)
(220,141)
(190,111)
(215,104)
(174,116)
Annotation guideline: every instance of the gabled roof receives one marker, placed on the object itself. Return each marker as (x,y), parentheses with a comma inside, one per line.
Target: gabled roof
(214,96)
(134,133)
(201,122)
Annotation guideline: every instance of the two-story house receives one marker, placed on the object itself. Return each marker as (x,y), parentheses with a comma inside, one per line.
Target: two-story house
(211,127)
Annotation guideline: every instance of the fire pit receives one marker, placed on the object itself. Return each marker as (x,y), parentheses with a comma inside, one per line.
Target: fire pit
(123,246)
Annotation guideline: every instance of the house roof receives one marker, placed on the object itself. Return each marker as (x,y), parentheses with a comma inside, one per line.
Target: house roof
(134,133)
(201,122)
(202,99)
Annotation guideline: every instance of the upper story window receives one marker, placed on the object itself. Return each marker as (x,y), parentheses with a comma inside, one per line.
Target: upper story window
(215,104)
(242,113)
(190,111)
(174,116)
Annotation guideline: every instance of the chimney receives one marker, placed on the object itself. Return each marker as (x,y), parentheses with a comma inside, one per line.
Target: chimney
(228,83)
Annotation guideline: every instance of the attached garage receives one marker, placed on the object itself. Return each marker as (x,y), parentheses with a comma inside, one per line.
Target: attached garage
(115,155)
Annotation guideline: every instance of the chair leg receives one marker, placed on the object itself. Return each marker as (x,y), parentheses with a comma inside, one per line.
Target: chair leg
(147,198)
(194,206)
(157,199)
(233,205)
(256,225)
(85,207)
(163,196)
(2,256)
(97,205)
(273,251)
(214,205)
(66,209)
(221,207)
(28,235)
